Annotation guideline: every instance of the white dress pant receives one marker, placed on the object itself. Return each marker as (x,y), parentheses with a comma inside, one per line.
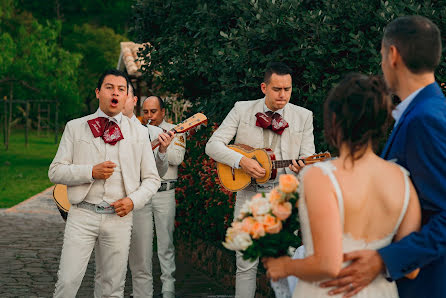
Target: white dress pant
(245,277)
(162,210)
(83,229)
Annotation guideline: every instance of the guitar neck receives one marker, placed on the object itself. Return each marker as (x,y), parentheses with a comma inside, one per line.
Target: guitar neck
(155,143)
(277,164)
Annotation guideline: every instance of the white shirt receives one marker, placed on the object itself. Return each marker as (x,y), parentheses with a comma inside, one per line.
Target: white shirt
(116,118)
(111,189)
(402,106)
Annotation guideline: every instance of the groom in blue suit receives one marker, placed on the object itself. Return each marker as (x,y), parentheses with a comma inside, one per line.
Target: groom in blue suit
(411,51)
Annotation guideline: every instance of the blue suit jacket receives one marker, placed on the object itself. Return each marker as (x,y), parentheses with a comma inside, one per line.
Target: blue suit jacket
(418,143)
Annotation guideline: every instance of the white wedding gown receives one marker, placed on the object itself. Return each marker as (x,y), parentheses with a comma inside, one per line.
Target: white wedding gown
(380,287)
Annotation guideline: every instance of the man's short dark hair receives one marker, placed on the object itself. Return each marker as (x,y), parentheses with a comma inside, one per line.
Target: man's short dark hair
(418,41)
(278,68)
(114,72)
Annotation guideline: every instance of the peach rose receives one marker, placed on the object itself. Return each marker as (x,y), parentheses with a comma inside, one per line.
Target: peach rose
(282,211)
(236,225)
(247,224)
(257,196)
(288,183)
(258,230)
(275,196)
(272,225)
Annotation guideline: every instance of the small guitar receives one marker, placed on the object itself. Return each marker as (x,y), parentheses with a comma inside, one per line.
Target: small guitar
(184,126)
(61,199)
(60,191)
(236,179)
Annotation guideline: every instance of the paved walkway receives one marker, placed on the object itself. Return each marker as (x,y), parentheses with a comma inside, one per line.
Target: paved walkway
(31,235)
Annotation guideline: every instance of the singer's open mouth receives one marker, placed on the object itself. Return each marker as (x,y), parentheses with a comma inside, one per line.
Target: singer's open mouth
(114,101)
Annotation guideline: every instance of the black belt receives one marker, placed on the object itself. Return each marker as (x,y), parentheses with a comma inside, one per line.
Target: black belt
(168,185)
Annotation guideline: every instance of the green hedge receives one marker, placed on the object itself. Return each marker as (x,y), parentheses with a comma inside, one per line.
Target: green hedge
(204,208)
(213,53)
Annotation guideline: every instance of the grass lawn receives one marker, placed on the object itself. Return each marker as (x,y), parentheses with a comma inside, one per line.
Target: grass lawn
(24,170)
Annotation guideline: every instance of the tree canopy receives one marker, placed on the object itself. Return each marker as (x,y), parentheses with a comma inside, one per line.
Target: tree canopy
(33,57)
(99,47)
(59,52)
(214,53)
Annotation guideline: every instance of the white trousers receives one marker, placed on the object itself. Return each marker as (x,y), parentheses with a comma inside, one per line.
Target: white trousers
(245,277)
(162,210)
(83,229)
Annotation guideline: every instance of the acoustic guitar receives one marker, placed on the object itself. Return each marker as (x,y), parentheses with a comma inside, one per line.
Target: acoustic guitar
(61,199)
(60,195)
(236,179)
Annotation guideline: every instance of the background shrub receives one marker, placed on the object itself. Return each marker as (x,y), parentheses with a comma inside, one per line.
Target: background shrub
(213,54)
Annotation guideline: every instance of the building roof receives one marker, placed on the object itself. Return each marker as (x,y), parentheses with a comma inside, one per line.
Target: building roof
(129,60)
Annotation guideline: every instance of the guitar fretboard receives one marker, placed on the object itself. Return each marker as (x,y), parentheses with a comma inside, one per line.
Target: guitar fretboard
(277,164)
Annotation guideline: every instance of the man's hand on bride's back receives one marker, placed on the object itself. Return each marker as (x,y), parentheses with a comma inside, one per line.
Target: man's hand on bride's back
(365,266)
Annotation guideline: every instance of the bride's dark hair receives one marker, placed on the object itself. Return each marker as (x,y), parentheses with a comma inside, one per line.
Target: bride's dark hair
(357,113)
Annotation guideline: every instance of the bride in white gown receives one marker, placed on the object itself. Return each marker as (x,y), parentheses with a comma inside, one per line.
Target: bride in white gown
(357,201)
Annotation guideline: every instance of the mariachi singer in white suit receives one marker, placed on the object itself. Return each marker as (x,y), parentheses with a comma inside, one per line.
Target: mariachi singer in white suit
(107,176)
(142,219)
(290,136)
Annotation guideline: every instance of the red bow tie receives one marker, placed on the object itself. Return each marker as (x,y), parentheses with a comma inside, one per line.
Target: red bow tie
(108,130)
(271,120)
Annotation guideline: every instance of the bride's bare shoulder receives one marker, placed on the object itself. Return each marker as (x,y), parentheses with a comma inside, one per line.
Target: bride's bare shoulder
(390,165)
(315,175)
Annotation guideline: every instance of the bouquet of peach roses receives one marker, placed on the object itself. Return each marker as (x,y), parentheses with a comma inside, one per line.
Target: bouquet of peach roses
(267,224)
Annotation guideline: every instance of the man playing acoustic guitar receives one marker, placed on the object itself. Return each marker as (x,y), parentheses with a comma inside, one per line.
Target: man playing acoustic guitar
(269,122)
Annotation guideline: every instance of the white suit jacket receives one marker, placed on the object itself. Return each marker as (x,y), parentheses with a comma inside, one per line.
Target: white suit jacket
(297,140)
(79,151)
(175,152)
(162,164)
